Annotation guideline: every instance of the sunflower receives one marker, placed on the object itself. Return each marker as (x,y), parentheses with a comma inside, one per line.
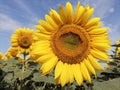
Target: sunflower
(69,41)
(23,39)
(118,42)
(118,47)
(118,52)
(2,55)
(12,52)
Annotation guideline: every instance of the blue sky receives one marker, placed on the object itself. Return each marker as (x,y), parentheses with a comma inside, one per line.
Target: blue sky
(26,13)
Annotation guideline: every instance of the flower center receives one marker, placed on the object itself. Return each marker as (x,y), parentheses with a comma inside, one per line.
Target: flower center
(25,41)
(71,44)
(70,40)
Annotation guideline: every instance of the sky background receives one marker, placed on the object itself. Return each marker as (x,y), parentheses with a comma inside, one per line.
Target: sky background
(26,13)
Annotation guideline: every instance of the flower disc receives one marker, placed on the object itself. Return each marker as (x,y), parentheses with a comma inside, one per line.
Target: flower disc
(1,55)
(71,44)
(25,41)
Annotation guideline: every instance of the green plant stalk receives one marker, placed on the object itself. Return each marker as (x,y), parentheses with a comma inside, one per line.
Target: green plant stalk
(22,71)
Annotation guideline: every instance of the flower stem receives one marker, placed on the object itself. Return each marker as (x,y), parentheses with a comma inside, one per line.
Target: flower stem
(22,71)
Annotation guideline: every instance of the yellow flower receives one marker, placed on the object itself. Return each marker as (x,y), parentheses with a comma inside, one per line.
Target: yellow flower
(23,39)
(118,51)
(70,41)
(12,52)
(118,42)
(2,55)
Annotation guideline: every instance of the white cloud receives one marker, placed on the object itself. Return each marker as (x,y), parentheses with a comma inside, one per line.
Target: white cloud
(114,32)
(102,7)
(10,24)
(7,23)
(111,10)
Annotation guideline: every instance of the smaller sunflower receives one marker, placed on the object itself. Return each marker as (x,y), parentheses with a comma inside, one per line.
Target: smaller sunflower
(23,39)
(12,52)
(1,55)
(118,51)
(118,48)
(118,42)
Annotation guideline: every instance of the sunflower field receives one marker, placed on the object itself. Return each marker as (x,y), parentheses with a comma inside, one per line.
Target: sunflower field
(65,52)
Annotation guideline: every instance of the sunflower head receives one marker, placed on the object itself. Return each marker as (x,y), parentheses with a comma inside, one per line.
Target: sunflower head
(118,51)
(71,41)
(118,42)
(2,55)
(23,39)
(12,52)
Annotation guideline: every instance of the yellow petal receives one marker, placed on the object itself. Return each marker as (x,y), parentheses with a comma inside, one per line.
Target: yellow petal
(38,50)
(14,36)
(27,50)
(67,77)
(58,80)
(92,21)
(14,40)
(79,14)
(42,52)
(102,55)
(56,17)
(101,40)
(94,26)
(44,58)
(41,29)
(77,73)
(107,66)
(47,26)
(94,63)
(63,15)
(43,36)
(70,73)
(98,31)
(69,12)
(41,43)
(64,76)
(103,36)
(58,69)
(86,16)
(14,44)
(101,46)
(89,66)
(85,72)
(51,22)
(77,8)
(49,65)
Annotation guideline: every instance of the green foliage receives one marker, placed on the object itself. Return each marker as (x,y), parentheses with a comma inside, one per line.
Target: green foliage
(10,78)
